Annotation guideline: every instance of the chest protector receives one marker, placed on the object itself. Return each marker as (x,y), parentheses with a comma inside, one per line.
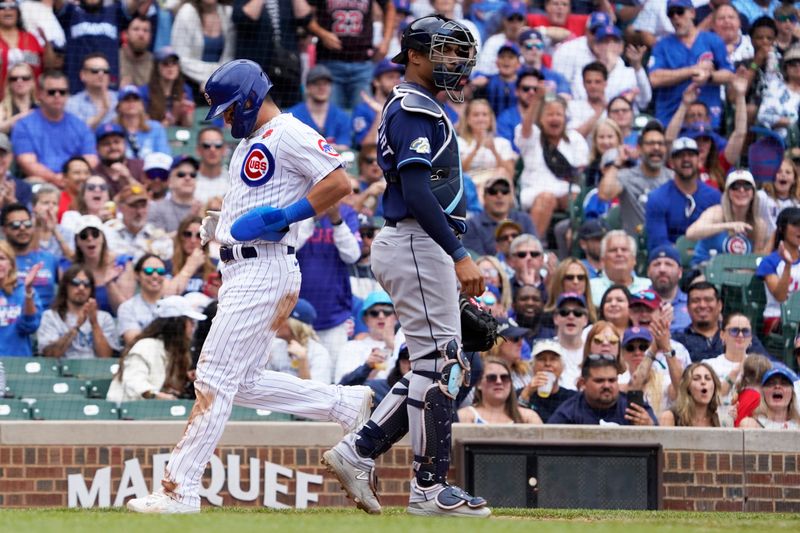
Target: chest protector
(447,183)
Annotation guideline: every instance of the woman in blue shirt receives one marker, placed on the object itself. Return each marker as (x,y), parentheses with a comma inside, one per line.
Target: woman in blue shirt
(733,226)
(144,136)
(20,312)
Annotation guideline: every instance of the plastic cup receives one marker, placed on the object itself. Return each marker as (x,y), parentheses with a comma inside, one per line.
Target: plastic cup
(544,390)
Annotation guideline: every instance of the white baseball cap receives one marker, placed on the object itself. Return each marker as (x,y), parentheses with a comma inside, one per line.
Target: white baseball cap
(547,345)
(89,221)
(683,143)
(176,306)
(157,160)
(740,175)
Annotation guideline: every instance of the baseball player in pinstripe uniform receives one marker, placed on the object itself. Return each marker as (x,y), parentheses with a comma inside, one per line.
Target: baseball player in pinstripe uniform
(281,172)
(420,262)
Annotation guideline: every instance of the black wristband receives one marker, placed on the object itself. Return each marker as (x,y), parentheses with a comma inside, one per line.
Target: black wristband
(341,220)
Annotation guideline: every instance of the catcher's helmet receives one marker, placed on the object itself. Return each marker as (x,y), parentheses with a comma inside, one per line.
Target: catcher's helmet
(438,37)
(241,83)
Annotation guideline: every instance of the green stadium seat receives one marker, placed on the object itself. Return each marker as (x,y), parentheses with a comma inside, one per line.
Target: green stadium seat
(245,414)
(98,388)
(31,366)
(35,387)
(614,218)
(156,410)
(14,410)
(74,409)
(686,248)
(90,368)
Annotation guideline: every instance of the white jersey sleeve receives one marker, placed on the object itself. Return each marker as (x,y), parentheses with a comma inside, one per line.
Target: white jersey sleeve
(276,166)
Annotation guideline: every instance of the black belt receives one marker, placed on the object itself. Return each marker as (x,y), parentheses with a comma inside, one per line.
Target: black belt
(247,252)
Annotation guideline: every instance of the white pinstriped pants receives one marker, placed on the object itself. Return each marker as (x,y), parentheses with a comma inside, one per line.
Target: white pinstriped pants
(256,295)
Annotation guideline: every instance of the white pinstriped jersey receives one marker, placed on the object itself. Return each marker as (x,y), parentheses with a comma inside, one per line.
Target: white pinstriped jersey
(275,166)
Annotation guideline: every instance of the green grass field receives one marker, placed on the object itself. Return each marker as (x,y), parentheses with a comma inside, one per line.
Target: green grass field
(394,520)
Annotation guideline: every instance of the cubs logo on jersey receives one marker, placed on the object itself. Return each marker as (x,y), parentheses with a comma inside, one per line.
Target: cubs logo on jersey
(737,244)
(327,148)
(258,166)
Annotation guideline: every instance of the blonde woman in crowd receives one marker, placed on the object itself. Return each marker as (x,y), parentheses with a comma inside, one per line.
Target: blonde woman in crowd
(698,401)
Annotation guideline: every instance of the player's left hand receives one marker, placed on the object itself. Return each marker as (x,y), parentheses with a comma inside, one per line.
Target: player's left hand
(264,222)
(208,228)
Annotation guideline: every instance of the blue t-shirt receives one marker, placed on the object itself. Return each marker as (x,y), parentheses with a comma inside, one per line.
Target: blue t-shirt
(337,123)
(326,278)
(212,48)
(363,117)
(669,212)
(506,122)
(751,10)
(52,142)
(146,142)
(670,53)
(721,243)
(46,279)
(90,32)
(575,410)
(501,94)
(562,85)
(16,328)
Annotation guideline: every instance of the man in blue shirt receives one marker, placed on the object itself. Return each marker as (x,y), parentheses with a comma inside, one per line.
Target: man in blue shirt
(528,80)
(600,401)
(366,115)
(499,88)
(18,229)
(664,270)
(90,27)
(319,113)
(498,200)
(531,45)
(690,55)
(672,207)
(45,139)
(325,258)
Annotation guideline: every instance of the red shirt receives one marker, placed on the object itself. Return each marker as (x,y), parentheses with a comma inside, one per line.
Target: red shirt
(747,402)
(576,24)
(64,202)
(28,50)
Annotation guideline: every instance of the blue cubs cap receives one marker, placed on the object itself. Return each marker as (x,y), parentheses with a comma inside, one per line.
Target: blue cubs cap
(609,30)
(679,3)
(698,130)
(636,333)
(664,250)
(385,65)
(779,370)
(514,8)
(375,298)
(304,312)
(181,159)
(509,329)
(529,35)
(108,129)
(509,47)
(128,91)
(570,296)
(597,19)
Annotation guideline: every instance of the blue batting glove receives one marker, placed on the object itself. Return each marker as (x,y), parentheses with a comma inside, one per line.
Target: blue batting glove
(260,223)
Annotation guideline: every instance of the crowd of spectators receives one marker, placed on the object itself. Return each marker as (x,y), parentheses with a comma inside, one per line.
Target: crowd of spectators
(596,139)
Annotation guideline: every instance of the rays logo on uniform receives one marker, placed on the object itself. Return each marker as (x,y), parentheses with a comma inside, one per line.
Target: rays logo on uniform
(258,167)
(737,244)
(327,148)
(421,145)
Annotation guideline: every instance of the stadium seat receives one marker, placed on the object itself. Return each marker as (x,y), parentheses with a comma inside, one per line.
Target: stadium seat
(156,410)
(74,409)
(245,414)
(31,366)
(35,387)
(98,388)
(685,247)
(14,410)
(90,368)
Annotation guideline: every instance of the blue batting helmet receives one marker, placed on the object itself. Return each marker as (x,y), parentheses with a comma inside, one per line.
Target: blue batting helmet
(241,83)
(432,35)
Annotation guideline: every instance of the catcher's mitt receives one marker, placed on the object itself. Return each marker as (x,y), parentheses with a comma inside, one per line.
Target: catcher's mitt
(478,327)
